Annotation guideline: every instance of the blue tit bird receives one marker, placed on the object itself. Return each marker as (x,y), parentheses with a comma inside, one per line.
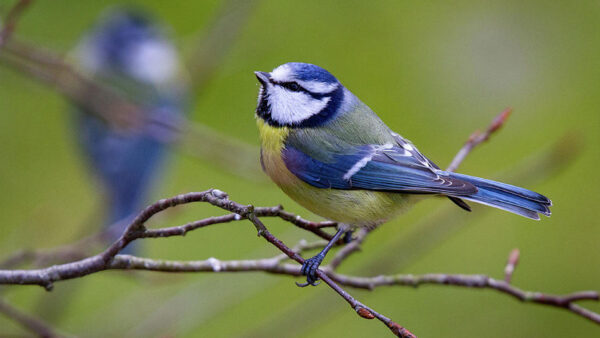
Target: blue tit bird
(130,53)
(333,155)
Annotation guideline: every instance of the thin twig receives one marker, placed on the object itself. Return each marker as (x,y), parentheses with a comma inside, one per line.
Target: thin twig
(473,281)
(30,323)
(211,50)
(513,260)
(60,254)
(277,211)
(479,281)
(478,137)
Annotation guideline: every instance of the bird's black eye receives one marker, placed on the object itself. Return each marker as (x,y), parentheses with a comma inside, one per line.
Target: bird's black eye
(293,86)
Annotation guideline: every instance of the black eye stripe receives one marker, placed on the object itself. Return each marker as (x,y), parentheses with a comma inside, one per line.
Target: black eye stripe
(293,86)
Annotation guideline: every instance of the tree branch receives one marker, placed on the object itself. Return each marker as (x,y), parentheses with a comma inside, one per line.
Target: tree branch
(109,259)
(211,50)
(46,277)
(30,323)
(274,265)
(480,281)
(102,261)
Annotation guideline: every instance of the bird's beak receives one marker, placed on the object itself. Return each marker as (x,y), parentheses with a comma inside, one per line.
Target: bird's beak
(263,77)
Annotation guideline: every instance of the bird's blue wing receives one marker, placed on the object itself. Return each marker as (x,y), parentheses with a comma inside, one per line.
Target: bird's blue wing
(374,167)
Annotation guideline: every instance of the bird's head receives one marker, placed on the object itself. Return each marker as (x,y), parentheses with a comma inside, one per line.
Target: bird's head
(298,95)
(129,42)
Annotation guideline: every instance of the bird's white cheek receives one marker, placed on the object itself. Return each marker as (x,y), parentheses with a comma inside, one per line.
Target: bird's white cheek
(292,107)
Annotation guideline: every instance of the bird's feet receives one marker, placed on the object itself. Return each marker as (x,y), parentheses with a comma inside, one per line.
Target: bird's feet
(309,269)
(348,236)
(311,265)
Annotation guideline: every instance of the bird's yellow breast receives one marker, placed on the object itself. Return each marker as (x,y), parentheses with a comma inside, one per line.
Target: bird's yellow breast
(353,207)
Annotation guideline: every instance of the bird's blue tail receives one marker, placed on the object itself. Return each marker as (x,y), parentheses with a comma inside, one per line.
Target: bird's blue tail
(507,197)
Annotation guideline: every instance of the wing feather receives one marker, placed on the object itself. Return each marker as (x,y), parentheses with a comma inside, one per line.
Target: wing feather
(385,167)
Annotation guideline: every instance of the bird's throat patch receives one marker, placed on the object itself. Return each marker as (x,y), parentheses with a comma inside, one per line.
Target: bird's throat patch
(272,138)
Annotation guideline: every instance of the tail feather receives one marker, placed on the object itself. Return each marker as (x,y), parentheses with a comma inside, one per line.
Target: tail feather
(507,197)
(507,207)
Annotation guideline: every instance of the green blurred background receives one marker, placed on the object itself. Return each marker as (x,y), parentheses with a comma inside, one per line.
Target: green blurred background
(434,71)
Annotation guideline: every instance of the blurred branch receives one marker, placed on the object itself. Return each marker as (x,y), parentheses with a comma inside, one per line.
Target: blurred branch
(11,20)
(211,50)
(49,68)
(478,137)
(549,162)
(225,151)
(60,254)
(30,323)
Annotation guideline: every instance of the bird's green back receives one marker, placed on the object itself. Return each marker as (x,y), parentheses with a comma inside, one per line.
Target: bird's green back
(357,125)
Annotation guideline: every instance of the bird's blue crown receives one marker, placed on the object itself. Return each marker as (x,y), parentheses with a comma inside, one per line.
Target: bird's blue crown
(310,72)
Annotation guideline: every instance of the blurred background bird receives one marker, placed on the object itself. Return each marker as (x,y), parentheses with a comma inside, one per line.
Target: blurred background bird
(129,52)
